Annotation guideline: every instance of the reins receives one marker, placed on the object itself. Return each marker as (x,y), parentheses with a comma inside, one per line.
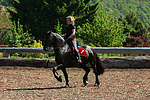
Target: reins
(60,46)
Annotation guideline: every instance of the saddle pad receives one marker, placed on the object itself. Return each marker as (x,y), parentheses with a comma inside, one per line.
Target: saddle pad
(82,52)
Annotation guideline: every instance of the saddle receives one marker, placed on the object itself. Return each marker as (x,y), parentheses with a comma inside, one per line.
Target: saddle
(82,52)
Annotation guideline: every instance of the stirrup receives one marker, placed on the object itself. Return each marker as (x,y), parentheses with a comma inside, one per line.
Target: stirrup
(79,61)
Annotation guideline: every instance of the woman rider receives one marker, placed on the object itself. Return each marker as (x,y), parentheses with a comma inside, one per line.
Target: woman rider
(70,38)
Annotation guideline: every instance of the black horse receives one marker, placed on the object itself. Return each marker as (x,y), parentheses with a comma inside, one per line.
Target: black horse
(64,58)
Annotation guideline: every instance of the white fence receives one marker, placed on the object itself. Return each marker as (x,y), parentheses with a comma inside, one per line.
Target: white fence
(109,62)
(114,50)
(123,50)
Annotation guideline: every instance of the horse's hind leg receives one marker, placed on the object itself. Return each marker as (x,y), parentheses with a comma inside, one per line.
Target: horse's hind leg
(56,74)
(85,77)
(96,76)
(93,64)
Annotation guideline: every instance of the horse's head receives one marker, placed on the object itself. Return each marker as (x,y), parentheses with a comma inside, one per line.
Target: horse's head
(48,40)
(53,39)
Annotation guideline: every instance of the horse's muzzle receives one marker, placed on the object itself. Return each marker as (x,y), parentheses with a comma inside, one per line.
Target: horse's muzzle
(44,48)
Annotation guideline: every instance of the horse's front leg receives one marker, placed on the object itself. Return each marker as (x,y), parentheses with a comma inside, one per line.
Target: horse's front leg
(56,74)
(85,78)
(66,76)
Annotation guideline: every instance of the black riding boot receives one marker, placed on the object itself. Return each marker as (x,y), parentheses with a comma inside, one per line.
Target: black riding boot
(77,55)
(78,58)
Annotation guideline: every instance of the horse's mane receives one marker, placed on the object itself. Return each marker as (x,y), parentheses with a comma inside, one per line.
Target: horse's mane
(58,36)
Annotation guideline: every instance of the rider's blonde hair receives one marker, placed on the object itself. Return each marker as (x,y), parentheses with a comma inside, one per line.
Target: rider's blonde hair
(71,19)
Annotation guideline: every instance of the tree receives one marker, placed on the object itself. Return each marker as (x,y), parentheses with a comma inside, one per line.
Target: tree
(19,38)
(140,7)
(103,31)
(4,36)
(15,37)
(39,16)
(5,3)
(133,26)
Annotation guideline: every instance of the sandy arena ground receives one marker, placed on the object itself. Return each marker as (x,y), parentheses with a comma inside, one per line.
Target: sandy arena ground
(39,84)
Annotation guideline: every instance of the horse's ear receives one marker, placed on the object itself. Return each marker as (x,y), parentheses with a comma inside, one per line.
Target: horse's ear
(49,32)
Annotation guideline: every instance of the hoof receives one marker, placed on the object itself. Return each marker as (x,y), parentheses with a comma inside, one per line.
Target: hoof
(85,83)
(96,84)
(67,85)
(59,78)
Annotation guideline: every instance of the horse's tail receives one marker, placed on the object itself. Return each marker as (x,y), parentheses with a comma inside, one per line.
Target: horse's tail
(99,66)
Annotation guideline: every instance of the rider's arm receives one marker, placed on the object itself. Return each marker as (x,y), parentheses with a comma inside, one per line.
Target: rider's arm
(73,33)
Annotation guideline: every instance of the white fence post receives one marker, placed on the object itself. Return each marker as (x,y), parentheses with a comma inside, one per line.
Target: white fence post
(6,54)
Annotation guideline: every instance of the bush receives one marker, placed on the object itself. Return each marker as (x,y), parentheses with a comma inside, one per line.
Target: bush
(30,55)
(4,36)
(37,45)
(1,55)
(103,31)
(140,41)
(19,38)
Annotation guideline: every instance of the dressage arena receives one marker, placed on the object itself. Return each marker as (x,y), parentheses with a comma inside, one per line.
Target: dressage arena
(38,83)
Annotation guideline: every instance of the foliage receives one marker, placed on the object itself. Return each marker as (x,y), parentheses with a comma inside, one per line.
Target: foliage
(4,20)
(13,35)
(37,45)
(4,36)
(80,42)
(140,41)
(30,55)
(136,29)
(19,38)
(43,15)
(1,55)
(58,28)
(4,3)
(33,55)
(121,7)
(4,26)
(133,24)
(103,31)
(101,28)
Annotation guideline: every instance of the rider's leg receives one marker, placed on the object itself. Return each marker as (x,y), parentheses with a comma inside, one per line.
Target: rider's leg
(72,44)
(76,51)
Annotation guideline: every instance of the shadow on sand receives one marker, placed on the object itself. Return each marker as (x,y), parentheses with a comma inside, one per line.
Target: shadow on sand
(42,88)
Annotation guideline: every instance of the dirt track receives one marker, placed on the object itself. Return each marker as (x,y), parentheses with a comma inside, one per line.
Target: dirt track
(32,83)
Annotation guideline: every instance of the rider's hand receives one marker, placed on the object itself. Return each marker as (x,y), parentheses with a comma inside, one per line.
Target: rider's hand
(44,48)
(65,37)
(66,40)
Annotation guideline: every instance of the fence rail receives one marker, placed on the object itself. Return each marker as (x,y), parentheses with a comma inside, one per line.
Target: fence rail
(123,50)
(7,50)
(114,50)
